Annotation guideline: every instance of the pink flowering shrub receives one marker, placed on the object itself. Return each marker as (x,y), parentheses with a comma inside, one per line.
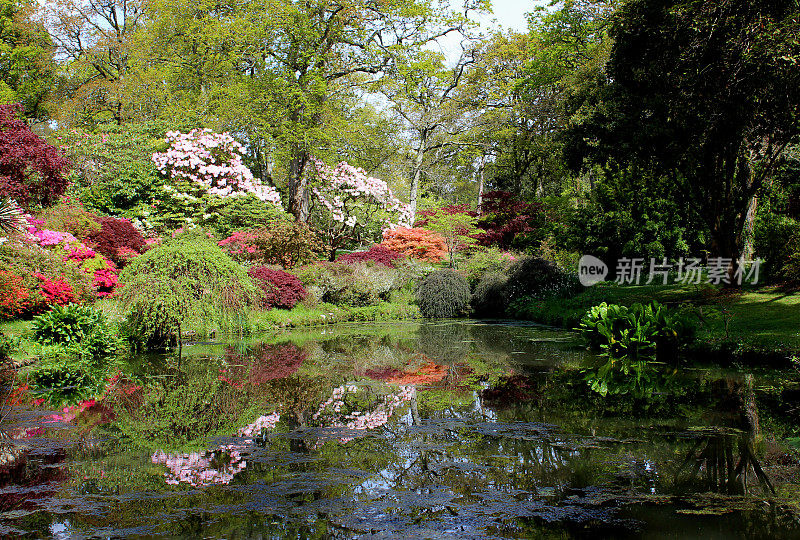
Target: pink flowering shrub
(350,204)
(55,291)
(79,253)
(213,161)
(52,238)
(105,282)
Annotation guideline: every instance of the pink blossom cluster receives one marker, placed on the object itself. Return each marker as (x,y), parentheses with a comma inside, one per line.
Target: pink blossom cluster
(59,291)
(346,183)
(52,238)
(213,160)
(261,423)
(375,418)
(196,468)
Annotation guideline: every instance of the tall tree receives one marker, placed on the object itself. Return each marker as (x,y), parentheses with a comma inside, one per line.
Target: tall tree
(93,39)
(284,65)
(705,93)
(424,93)
(26,58)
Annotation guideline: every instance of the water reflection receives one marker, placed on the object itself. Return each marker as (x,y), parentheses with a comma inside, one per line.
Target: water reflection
(433,430)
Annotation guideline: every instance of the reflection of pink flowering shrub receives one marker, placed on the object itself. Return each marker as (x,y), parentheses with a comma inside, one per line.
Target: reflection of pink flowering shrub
(202,468)
(340,409)
(261,423)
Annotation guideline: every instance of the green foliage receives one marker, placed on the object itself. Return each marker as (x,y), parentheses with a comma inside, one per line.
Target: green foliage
(77,327)
(64,374)
(443,294)
(457,228)
(633,214)
(485,261)
(71,218)
(351,284)
(184,407)
(488,300)
(638,331)
(241,212)
(774,240)
(76,346)
(186,281)
(26,57)
(625,376)
(534,277)
(113,173)
(8,345)
(281,242)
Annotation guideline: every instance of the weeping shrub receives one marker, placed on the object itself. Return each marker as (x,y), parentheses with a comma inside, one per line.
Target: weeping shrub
(443,294)
(187,282)
(488,299)
(537,278)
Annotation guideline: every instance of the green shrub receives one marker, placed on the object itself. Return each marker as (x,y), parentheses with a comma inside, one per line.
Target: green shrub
(537,278)
(775,240)
(228,214)
(187,282)
(81,328)
(70,218)
(488,300)
(638,331)
(443,294)
(77,345)
(8,345)
(350,284)
(790,271)
(485,261)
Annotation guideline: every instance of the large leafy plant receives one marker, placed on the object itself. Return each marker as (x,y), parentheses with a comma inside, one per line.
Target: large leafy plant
(638,331)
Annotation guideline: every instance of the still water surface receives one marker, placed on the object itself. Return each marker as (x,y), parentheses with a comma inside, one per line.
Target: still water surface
(414,430)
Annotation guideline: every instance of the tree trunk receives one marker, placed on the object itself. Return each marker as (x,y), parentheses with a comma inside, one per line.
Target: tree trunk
(298,187)
(479,174)
(416,174)
(748,233)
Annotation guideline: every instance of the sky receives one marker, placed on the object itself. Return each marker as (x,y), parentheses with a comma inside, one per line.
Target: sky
(507,14)
(511,13)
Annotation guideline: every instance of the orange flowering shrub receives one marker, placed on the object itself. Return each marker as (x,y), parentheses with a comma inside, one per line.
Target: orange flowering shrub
(416,243)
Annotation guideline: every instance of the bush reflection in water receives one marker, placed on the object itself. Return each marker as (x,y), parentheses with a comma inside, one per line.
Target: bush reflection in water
(419,430)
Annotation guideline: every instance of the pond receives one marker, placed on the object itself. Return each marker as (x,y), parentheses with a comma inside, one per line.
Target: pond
(447,429)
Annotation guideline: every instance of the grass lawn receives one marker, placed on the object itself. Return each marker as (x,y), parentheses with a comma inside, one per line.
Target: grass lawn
(765,318)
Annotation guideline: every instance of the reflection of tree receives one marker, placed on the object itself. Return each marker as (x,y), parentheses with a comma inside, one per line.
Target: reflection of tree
(725,458)
(727,455)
